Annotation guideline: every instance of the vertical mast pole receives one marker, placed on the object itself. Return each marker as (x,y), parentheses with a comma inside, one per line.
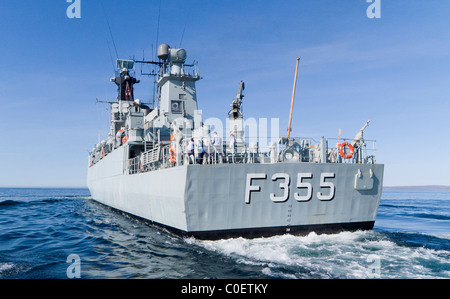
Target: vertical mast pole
(292,102)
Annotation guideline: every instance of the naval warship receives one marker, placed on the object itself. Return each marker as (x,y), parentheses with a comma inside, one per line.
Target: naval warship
(160,163)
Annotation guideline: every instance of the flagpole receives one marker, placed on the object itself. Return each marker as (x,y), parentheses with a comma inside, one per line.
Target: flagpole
(292,102)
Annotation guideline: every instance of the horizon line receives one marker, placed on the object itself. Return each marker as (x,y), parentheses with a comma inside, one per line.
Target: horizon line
(85,187)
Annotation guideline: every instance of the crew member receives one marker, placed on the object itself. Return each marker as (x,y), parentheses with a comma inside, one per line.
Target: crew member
(217,143)
(200,151)
(232,144)
(190,151)
(232,147)
(119,136)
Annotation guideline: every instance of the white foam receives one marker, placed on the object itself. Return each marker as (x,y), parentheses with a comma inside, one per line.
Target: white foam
(269,272)
(343,255)
(5,267)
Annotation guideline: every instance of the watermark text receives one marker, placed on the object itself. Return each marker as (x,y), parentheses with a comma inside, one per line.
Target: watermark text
(74,269)
(374,9)
(74,9)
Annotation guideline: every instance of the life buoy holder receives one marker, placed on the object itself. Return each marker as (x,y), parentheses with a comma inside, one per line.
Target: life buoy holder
(341,150)
(172,154)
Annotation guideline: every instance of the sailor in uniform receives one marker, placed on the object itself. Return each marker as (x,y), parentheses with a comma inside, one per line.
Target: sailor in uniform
(217,143)
(120,134)
(232,147)
(190,151)
(200,151)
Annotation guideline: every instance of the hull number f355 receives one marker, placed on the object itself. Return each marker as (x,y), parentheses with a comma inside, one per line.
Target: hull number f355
(304,188)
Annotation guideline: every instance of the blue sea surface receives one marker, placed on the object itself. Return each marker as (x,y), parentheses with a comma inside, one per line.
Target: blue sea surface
(40,228)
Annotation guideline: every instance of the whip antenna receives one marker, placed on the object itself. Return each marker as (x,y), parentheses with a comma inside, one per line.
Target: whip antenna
(293,96)
(157,28)
(110,31)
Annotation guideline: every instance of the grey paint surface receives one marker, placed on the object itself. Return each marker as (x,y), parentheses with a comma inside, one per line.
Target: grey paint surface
(213,197)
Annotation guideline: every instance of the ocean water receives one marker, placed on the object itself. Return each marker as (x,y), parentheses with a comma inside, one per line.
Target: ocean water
(47,233)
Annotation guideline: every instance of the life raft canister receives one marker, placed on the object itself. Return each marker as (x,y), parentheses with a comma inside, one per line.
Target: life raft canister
(172,154)
(341,150)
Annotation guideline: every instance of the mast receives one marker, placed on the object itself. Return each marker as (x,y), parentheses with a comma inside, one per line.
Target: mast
(292,102)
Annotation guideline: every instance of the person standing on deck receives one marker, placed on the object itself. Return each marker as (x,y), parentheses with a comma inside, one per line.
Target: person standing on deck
(200,151)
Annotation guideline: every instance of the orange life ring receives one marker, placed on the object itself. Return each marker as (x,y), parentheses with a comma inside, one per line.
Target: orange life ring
(341,150)
(172,154)
(124,139)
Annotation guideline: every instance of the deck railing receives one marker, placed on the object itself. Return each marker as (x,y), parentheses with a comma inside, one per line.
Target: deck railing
(295,150)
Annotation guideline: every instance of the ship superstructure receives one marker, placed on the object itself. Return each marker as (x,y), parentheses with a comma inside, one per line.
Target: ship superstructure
(161,163)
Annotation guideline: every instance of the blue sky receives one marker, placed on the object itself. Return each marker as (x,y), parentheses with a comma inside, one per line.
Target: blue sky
(394,71)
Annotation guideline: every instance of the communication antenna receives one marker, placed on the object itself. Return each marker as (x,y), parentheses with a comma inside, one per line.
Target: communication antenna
(292,102)
(184,30)
(157,28)
(110,56)
(109,28)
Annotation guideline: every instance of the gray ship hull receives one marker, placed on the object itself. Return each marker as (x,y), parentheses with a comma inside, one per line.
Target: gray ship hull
(250,200)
